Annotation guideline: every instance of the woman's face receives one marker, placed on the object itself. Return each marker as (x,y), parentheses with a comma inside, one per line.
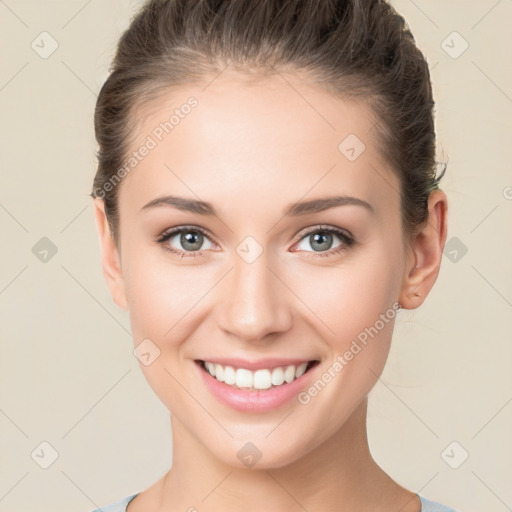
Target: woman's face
(263,275)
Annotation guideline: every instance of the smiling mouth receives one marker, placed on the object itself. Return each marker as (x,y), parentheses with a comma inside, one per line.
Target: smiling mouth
(258,380)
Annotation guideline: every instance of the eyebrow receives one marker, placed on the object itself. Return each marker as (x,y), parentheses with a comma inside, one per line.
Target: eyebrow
(294,210)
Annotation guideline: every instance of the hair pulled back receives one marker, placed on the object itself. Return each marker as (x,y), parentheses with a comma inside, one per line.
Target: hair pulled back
(360,49)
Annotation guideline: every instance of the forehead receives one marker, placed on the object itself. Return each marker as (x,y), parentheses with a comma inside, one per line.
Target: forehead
(244,138)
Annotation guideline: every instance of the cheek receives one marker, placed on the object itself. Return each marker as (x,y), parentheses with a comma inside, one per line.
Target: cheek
(355,307)
(160,293)
(163,300)
(350,298)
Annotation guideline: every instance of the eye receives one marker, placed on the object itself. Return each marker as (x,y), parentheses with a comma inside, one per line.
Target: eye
(189,241)
(322,240)
(185,241)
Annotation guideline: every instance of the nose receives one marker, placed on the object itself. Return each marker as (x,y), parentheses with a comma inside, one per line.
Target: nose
(254,302)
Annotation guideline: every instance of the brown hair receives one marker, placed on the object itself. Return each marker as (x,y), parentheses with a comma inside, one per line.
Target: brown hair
(359,49)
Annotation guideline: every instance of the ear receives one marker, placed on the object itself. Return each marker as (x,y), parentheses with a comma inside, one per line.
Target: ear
(110,258)
(425,253)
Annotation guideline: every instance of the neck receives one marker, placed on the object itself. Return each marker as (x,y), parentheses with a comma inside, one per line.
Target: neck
(341,471)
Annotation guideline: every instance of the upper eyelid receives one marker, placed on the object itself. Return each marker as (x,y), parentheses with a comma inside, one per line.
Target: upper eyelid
(326,228)
(168,234)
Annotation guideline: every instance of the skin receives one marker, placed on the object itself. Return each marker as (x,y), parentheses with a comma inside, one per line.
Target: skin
(252,148)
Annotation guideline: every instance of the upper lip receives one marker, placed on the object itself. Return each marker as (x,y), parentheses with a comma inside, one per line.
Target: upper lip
(260,364)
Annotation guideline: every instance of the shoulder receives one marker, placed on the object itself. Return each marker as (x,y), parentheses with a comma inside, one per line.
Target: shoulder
(426,506)
(118,506)
(433,506)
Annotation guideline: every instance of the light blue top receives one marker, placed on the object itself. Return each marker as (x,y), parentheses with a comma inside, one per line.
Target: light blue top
(426,506)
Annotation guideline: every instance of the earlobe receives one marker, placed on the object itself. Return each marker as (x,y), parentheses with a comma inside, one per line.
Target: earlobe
(110,258)
(426,253)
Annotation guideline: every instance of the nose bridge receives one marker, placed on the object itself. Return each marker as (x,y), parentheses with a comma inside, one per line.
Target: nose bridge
(253,304)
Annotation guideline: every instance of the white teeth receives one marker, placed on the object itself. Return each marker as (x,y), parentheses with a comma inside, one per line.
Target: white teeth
(277,376)
(262,379)
(289,374)
(300,370)
(211,368)
(244,378)
(219,372)
(229,375)
(259,379)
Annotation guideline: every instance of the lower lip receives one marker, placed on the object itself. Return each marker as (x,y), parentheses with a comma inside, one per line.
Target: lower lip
(254,401)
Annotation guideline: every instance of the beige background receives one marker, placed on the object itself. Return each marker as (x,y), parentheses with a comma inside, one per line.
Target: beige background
(67,373)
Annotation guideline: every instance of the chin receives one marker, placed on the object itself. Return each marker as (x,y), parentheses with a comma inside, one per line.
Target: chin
(263,454)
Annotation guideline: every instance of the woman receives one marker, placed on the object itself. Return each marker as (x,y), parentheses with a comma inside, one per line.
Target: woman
(266,201)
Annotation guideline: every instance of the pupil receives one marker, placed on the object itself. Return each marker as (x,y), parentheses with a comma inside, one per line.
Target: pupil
(324,241)
(191,240)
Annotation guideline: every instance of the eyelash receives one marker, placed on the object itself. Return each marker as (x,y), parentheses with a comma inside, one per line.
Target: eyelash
(346,239)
